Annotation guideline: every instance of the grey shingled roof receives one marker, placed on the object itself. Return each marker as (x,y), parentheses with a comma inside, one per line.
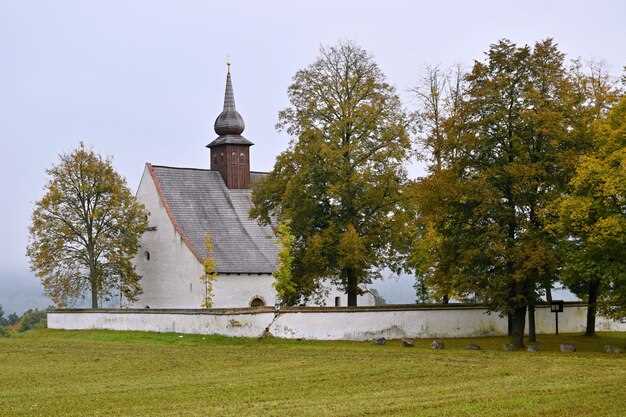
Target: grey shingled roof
(200,203)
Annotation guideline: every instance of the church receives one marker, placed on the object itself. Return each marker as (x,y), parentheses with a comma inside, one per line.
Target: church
(188,204)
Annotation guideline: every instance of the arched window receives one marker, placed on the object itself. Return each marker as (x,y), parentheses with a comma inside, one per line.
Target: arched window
(257,302)
(242,157)
(147,255)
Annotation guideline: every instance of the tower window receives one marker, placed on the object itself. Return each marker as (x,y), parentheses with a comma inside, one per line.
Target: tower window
(147,255)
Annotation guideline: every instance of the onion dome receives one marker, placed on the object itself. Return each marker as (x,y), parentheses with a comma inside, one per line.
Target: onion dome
(229,124)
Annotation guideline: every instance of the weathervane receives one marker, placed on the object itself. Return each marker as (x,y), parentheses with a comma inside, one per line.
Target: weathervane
(228,62)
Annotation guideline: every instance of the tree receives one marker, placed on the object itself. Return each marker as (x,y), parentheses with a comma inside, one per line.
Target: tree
(3,320)
(85,231)
(284,280)
(592,217)
(340,181)
(483,209)
(210,273)
(440,127)
(12,319)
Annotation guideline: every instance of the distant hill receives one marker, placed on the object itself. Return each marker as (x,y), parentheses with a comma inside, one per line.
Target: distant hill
(21,291)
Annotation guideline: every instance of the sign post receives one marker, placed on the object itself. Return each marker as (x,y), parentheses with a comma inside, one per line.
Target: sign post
(556,307)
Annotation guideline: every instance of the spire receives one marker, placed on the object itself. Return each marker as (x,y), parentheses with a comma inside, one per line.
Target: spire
(229,122)
(229,96)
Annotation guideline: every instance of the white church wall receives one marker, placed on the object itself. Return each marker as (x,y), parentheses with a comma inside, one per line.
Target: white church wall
(239,290)
(171,275)
(361,323)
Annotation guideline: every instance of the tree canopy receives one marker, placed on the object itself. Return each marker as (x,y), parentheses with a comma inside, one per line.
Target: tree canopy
(85,231)
(339,183)
(510,144)
(592,219)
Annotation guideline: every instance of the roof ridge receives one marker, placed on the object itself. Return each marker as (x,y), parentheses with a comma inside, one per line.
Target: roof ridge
(187,168)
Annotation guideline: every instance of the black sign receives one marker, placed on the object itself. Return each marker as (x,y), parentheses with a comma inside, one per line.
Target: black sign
(556,306)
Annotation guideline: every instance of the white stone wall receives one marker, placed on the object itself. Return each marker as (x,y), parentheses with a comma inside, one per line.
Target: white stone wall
(325,324)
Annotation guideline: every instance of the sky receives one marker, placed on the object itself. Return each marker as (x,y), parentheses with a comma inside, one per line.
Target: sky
(142,81)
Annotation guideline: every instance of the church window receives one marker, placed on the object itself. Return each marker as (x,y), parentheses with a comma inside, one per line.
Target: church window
(257,302)
(147,255)
(190,287)
(337,301)
(242,157)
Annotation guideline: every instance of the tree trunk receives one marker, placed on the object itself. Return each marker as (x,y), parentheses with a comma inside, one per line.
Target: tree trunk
(548,290)
(518,323)
(532,334)
(94,295)
(594,287)
(509,328)
(352,289)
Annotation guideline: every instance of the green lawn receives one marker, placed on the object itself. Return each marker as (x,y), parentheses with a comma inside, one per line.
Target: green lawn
(103,373)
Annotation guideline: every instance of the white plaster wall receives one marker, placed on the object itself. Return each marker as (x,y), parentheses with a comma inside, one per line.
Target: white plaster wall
(171,278)
(239,290)
(236,325)
(331,292)
(608,325)
(335,324)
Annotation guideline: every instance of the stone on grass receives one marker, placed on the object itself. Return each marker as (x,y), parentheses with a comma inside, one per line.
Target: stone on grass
(533,347)
(613,349)
(568,347)
(406,342)
(380,341)
(472,346)
(509,347)
(437,344)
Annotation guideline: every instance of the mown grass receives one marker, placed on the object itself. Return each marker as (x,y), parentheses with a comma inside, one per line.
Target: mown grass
(104,373)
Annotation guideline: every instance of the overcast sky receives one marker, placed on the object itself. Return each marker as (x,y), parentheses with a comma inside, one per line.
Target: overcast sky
(143,80)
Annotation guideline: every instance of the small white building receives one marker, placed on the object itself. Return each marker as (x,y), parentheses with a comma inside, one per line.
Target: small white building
(186,205)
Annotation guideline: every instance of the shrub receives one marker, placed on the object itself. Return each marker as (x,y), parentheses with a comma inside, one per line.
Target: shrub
(33,319)
(4,332)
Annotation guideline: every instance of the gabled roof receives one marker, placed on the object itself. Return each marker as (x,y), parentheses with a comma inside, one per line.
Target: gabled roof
(199,203)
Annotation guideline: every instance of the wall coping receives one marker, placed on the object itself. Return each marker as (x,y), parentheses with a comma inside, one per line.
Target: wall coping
(287,310)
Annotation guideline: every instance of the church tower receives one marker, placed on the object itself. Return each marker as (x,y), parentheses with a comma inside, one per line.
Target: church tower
(230,152)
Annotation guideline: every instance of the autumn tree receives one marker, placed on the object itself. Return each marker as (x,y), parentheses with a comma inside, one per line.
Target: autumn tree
(85,231)
(339,182)
(592,220)
(284,283)
(440,122)
(482,210)
(210,273)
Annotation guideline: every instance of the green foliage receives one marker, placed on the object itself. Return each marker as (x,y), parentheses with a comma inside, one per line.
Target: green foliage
(33,319)
(507,146)
(592,217)
(4,332)
(284,281)
(12,319)
(85,231)
(339,182)
(210,273)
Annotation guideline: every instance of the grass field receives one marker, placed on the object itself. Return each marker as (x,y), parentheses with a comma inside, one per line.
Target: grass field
(103,373)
